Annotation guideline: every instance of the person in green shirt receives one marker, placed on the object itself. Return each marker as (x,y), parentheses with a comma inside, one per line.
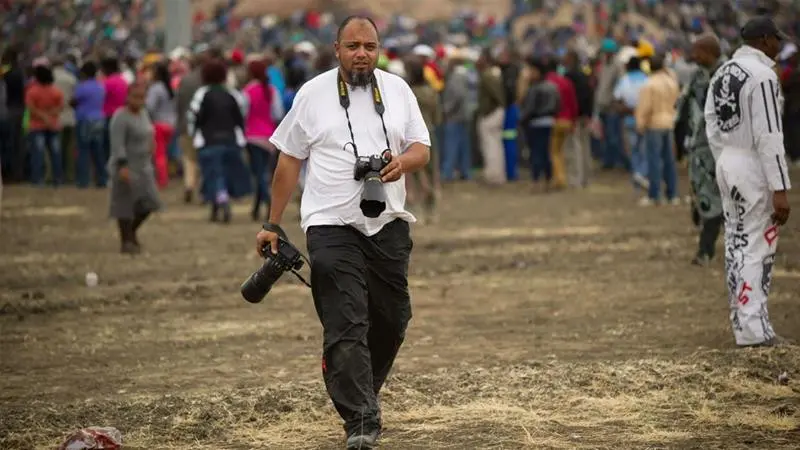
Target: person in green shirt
(491,113)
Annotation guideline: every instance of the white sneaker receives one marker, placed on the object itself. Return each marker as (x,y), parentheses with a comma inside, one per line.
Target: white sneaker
(675,201)
(641,180)
(645,201)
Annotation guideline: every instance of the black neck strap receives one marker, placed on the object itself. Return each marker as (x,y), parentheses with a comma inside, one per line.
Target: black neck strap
(377,99)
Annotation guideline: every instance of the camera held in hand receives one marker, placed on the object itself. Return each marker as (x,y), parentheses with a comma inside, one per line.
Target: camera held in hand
(368,168)
(288,258)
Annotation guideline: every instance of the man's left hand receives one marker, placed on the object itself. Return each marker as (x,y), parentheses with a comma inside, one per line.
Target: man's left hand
(393,171)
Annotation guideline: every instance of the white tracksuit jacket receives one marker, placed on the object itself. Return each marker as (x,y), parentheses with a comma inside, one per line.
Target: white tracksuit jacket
(744,129)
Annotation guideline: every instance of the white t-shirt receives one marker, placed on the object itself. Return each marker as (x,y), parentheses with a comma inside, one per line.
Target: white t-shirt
(315,128)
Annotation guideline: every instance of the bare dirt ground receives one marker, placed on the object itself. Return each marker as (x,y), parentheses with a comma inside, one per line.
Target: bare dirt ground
(564,321)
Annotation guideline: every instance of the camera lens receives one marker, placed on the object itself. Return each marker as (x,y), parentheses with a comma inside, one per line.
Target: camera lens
(373,198)
(258,285)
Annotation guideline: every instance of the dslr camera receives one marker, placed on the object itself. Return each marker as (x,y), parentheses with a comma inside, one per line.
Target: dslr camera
(368,169)
(288,258)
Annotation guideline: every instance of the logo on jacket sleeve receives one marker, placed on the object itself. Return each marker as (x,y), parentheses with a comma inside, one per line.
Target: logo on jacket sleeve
(726,90)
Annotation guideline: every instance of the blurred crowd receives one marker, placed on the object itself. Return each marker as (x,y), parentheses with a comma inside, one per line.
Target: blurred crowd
(557,101)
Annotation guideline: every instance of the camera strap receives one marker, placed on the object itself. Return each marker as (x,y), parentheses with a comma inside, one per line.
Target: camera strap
(377,99)
(300,277)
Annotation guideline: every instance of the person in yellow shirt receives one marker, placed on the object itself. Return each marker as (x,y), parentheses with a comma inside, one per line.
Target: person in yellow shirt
(655,120)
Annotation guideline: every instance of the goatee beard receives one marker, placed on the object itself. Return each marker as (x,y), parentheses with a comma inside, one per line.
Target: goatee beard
(360,78)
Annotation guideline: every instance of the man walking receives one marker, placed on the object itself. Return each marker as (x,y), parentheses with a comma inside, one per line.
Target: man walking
(743,121)
(359,264)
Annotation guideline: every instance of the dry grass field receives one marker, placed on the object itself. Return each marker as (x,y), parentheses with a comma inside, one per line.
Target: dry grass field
(564,321)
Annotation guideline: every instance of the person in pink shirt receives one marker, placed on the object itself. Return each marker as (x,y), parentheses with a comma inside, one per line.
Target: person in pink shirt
(265,110)
(116,95)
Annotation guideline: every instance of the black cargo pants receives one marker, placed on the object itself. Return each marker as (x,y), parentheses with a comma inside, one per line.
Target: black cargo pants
(360,289)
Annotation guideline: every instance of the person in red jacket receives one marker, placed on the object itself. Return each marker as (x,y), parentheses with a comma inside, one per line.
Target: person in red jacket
(565,123)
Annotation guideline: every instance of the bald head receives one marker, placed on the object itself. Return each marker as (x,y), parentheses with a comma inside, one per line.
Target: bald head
(709,43)
(706,50)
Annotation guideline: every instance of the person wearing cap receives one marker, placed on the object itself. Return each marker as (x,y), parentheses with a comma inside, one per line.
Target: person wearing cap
(605,116)
(432,73)
(744,130)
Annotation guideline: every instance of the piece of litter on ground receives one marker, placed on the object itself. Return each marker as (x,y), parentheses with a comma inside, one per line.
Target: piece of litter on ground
(94,438)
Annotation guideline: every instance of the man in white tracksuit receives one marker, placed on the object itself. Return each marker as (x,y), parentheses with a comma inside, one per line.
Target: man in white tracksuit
(743,117)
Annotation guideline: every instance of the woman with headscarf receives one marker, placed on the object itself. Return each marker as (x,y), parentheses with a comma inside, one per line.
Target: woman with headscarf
(265,109)
(160,104)
(216,122)
(134,194)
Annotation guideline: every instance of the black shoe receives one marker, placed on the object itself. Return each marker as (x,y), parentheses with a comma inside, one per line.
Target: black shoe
(130,248)
(363,440)
(226,212)
(214,213)
(188,196)
(127,237)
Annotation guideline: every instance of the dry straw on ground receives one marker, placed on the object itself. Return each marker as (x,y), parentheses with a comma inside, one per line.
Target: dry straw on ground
(564,321)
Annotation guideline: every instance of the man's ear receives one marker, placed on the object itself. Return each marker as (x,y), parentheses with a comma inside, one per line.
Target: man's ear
(336,49)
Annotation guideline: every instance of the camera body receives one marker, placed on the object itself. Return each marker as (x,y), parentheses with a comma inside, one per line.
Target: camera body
(368,169)
(258,285)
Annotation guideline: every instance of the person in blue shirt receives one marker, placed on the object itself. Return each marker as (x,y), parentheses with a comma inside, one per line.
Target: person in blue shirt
(626,97)
(90,123)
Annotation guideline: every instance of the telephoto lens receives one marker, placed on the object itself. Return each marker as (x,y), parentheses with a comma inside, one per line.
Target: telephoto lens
(373,198)
(258,285)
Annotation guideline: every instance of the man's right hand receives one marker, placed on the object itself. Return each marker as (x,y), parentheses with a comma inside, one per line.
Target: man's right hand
(780,205)
(265,237)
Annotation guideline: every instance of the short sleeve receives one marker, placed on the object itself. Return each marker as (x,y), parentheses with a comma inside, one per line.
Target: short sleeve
(415,130)
(291,136)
